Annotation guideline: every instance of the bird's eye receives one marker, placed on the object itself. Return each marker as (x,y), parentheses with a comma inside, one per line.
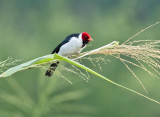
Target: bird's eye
(86,37)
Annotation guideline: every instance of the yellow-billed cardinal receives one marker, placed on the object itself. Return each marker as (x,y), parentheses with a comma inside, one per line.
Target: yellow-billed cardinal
(72,44)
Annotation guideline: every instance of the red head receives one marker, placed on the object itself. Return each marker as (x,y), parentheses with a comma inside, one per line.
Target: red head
(86,37)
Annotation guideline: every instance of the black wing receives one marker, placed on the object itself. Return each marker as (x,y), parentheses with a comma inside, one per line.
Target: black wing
(66,40)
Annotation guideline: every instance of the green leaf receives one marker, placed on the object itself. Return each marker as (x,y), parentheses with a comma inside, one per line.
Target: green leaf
(28,65)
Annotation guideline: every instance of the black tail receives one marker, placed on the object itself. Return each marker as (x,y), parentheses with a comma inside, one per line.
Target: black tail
(52,68)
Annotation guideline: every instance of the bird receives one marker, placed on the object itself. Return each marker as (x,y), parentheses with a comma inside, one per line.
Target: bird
(71,45)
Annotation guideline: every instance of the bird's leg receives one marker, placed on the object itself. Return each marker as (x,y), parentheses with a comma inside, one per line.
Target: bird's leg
(78,54)
(69,56)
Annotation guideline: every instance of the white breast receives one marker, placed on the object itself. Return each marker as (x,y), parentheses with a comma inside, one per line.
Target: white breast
(72,47)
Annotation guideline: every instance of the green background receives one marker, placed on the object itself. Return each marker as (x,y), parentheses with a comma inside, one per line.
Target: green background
(33,28)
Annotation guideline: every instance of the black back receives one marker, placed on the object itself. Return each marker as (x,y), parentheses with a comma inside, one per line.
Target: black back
(56,50)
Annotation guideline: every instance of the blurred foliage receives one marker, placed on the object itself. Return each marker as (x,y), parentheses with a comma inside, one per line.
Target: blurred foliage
(32,28)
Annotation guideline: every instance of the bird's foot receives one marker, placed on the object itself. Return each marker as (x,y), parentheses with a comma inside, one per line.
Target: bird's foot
(69,56)
(78,54)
